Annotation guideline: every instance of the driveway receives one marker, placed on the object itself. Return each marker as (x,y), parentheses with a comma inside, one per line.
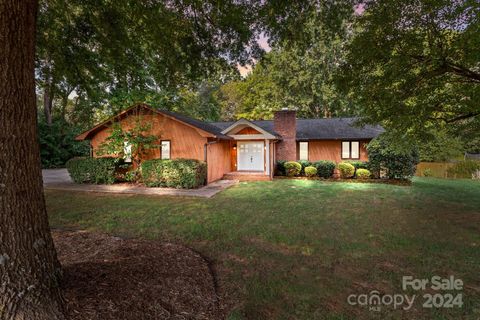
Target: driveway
(56,176)
(59,179)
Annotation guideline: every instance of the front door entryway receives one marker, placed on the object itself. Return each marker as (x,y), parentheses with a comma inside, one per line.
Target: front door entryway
(250,155)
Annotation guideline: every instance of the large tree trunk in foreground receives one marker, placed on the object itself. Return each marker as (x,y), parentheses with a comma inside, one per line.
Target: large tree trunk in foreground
(29,269)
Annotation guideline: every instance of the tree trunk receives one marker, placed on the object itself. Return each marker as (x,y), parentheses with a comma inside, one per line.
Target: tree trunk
(48,102)
(29,269)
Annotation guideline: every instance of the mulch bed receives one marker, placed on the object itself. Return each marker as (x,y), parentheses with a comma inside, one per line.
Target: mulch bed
(113,278)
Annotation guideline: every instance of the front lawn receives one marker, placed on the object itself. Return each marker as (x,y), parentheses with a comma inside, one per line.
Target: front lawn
(296,249)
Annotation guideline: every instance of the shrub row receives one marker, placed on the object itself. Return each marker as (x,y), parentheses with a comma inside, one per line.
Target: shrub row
(322,169)
(92,170)
(177,173)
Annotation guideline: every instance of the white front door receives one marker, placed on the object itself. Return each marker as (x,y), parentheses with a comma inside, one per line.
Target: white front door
(250,155)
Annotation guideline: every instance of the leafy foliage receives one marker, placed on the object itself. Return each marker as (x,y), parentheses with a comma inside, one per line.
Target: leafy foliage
(325,168)
(99,49)
(362,174)
(468,132)
(177,173)
(397,163)
(57,144)
(310,171)
(358,164)
(440,147)
(280,168)
(427,172)
(347,170)
(289,76)
(292,168)
(463,169)
(138,137)
(412,65)
(304,164)
(92,170)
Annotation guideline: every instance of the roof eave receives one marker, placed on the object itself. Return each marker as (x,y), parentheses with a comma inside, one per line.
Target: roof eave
(85,135)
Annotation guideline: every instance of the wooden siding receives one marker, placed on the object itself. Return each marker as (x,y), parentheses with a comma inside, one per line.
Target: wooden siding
(186,142)
(233,156)
(248,130)
(218,160)
(331,150)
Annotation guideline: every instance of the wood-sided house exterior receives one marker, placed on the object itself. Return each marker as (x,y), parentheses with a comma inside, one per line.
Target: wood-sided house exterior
(243,149)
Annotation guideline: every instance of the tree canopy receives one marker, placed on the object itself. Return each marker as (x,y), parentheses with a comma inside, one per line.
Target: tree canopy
(415,64)
(412,66)
(299,73)
(101,48)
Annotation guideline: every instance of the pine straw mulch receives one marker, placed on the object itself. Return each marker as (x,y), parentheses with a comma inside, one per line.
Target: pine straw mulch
(113,278)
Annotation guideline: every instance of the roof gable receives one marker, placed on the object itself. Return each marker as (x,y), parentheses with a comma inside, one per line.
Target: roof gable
(204,128)
(241,124)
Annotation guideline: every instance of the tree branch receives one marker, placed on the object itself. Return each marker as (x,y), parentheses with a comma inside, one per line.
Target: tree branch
(463,117)
(457,118)
(464,72)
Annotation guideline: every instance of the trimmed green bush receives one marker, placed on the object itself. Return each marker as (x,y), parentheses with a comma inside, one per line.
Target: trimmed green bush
(292,168)
(177,173)
(304,164)
(310,171)
(358,164)
(347,170)
(92,170)
(325,168)
(280,168)
(363,174)
(463,169)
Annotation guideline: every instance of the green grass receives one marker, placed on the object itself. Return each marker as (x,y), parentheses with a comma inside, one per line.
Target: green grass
(295,249)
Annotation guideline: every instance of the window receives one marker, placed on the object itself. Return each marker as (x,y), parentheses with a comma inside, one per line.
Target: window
(165,149)
(127,151)
(345,149)
(355,150)
(350,150)
(303,151)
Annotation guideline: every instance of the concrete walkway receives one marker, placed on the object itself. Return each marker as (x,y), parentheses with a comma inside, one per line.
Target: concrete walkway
(59,179)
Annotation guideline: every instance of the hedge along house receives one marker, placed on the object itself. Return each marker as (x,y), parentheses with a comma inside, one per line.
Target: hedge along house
(243,149)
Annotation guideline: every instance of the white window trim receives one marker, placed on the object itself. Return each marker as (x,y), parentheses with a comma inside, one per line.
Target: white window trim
(300,150)
(350,142)
(127,151)
(169,150)
(357,149)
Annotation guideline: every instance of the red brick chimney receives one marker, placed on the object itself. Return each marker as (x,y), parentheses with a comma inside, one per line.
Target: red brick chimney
(285,124)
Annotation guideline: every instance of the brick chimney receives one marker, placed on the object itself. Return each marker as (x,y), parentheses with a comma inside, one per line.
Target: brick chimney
(285,124)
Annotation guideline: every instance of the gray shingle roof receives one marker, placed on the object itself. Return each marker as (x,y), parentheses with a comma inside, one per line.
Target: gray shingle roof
(206,126)
(320,129)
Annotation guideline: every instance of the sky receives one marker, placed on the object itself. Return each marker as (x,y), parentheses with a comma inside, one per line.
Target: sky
(263,42)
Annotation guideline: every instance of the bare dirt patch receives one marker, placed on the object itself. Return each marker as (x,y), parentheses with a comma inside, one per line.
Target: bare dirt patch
(113,278)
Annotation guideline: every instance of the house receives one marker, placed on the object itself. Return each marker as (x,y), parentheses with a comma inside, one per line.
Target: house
(243,149)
